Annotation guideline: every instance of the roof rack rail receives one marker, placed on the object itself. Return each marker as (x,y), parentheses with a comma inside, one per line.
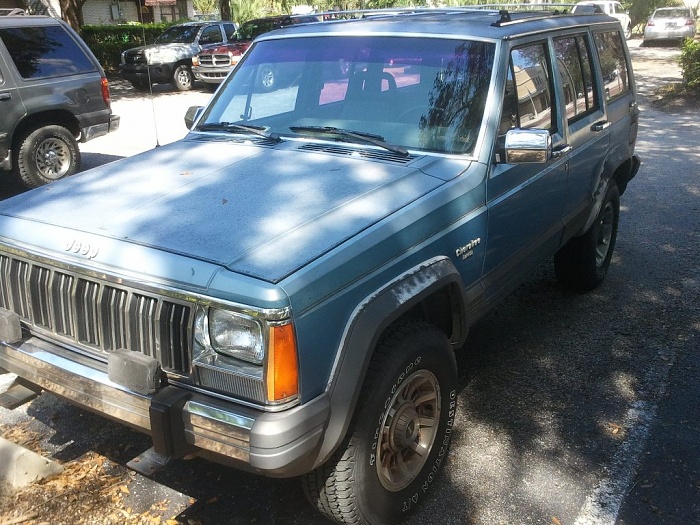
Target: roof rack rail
(12,11)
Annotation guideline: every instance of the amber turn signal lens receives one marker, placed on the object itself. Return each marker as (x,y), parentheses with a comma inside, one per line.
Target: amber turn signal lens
(282,364)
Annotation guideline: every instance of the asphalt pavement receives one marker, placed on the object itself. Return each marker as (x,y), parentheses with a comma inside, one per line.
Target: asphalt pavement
(573,409)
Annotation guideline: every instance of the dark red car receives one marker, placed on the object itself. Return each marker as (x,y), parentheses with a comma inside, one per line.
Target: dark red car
(213,64)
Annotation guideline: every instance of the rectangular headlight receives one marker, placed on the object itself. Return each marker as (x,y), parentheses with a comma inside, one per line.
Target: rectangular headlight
(237,336)
(246,355)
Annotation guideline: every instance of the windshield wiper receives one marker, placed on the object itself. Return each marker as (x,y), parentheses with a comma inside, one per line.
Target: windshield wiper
(238,128)
(361,136)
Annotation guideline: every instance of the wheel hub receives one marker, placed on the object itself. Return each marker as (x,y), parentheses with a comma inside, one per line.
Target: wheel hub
(404,428)
(408,430)
(53,158)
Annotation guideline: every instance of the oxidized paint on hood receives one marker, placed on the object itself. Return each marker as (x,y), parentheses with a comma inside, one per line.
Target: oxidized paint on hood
(260,211)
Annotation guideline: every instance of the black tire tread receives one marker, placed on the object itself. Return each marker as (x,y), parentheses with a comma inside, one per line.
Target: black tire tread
(330,488)
(574,264)
(26,172)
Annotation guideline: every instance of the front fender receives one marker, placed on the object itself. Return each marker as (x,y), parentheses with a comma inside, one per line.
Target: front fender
(366,325)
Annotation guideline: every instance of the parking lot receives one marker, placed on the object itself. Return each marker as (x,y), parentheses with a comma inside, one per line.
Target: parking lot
(573,409)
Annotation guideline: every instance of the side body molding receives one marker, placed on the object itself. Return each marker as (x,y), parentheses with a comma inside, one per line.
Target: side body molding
(366,326)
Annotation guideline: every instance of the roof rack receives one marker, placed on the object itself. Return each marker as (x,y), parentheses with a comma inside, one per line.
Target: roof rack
(504,11)
(11,11)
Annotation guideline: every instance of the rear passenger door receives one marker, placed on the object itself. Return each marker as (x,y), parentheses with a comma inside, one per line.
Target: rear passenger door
(622,112)
(587,129)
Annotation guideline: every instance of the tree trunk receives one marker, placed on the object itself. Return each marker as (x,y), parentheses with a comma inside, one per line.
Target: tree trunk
(72,13)
(225,9)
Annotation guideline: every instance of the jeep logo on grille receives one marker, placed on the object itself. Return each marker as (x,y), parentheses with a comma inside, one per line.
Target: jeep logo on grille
(83,248)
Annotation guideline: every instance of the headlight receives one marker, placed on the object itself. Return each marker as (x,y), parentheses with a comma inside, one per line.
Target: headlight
(245,355)
(236,336)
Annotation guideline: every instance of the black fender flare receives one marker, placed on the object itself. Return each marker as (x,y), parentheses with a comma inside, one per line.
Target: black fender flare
(366,325)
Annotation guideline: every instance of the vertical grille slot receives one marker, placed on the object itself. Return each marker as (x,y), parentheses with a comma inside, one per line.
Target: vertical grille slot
(5,300)
(95,315)
(115,303)
(174,323)
(39,292)
(19,275)
(87,312)
(142,322)
(62,300)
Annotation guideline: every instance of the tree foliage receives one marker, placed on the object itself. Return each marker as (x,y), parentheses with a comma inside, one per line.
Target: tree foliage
(205,6)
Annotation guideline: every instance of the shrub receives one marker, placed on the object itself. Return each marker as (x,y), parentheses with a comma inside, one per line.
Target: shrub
(690,63)
(107,42)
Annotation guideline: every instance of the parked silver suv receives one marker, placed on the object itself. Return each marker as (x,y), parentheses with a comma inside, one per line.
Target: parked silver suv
(169,58)
(53,93)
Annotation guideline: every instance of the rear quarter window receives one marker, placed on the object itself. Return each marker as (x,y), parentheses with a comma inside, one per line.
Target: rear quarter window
(613,63)
(43,52)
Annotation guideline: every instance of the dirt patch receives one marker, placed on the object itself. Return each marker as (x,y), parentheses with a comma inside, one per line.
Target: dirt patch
(675,97)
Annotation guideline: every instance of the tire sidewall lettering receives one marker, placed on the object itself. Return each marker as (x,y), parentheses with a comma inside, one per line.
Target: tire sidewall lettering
(429,474)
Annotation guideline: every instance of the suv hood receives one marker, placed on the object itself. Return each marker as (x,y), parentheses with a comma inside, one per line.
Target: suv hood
(256,210)
(165,52)
(239,48)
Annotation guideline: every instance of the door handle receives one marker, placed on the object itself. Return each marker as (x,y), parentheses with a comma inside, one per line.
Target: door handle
(5,96)
(600,126)
(560,151)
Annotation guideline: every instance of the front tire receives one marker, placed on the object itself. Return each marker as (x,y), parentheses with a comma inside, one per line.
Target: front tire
(582,264)
(47,154)
(182,78)
(400,434)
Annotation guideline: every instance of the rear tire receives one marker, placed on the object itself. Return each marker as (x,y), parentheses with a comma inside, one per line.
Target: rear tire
(582,264)
(46,155)
(400,434)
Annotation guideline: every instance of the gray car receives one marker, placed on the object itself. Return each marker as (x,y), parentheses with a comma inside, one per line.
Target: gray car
(53,94)
(670,23)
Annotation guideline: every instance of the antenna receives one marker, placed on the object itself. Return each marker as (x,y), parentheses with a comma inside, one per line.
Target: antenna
(148,72)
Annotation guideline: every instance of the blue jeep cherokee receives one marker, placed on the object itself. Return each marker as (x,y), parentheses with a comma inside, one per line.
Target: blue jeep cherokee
(283,289)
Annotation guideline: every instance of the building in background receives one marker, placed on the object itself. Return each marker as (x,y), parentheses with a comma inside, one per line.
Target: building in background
(103,12)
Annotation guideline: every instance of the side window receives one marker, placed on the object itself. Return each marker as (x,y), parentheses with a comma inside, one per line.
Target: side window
(41,52)
(613,63)
(528,96)
(211,35)
(576,76)
(230,31)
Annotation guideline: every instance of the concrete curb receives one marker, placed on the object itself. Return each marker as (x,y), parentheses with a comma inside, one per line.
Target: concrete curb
(20,467)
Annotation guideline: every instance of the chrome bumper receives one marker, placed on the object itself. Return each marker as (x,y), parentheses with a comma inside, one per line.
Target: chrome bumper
(276,444)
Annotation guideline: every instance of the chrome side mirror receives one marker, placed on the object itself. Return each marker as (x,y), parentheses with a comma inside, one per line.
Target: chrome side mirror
(528,146)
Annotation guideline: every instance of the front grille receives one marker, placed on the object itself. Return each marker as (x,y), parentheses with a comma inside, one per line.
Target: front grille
(137,57)
(214,60)
(96,316)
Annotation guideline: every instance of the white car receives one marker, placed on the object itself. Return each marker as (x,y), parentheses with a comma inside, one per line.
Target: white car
(613,9)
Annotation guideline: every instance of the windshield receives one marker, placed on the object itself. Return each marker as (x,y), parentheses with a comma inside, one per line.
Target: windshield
(410,92)
(672,13)
(178,35)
